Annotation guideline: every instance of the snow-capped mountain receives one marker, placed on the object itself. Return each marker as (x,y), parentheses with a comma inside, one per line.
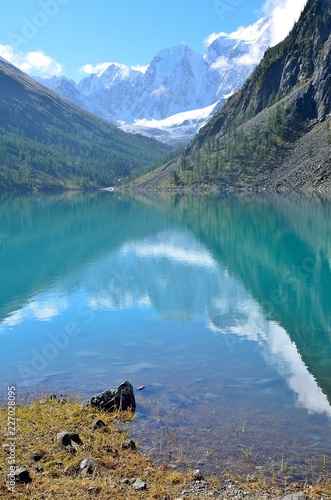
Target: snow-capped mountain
(235,55)
(178,79)
(114,92)
(178,92)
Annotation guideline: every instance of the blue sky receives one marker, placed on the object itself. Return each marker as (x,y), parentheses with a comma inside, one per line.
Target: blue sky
(61,36)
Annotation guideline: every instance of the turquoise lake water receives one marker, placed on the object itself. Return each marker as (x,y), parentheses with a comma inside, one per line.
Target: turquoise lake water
(219,306)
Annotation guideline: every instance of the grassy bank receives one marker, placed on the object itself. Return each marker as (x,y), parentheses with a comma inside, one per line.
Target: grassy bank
(30,439)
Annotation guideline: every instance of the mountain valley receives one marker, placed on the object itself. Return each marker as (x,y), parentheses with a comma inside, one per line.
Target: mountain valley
(47,142)
(179,90)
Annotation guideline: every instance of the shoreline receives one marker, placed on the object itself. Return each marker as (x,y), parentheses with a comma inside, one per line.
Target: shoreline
(104,463)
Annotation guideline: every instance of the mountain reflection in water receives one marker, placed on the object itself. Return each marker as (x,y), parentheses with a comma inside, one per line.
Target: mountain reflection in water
(220,306)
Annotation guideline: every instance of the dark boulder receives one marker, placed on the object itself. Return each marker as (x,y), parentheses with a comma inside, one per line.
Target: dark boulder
(97,424)
(37,455)
(22,475)
(68,439)
(129,445)
(121,399)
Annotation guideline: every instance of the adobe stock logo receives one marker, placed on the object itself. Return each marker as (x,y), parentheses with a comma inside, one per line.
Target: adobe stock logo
(31,27)
(56,343)
(223,7)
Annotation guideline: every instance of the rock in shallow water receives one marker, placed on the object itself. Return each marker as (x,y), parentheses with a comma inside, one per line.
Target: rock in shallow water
(121,398)
(129,445)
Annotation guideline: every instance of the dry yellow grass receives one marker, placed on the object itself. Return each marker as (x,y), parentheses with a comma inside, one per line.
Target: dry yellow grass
(57,475)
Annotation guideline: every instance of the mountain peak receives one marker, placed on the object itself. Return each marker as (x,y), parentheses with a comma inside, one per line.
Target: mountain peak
(178,80)
(176,52)
(119,71)
(255,38)
(251,33)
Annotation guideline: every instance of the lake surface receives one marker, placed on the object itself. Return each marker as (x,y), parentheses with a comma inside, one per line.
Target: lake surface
(220,306)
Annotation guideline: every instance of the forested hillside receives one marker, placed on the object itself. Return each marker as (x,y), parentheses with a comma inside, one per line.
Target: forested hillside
(47,142)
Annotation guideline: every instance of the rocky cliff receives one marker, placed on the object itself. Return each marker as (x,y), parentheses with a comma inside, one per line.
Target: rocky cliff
(275,132)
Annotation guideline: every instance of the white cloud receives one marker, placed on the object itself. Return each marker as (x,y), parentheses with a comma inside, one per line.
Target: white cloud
(211,38)
(284,13)
(173,252)
(142,69)
(36,63)
(252,57)
(13,319)
(220,63)
(41,308)
(254,37)
(96,69)
(45,310)
(248,34)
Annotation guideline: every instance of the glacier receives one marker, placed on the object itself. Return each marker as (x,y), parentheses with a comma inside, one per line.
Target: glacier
(178,92)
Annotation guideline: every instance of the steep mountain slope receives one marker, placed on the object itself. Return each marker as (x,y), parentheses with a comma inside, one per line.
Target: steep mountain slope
(177,80)
(275,132)
(45,141)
